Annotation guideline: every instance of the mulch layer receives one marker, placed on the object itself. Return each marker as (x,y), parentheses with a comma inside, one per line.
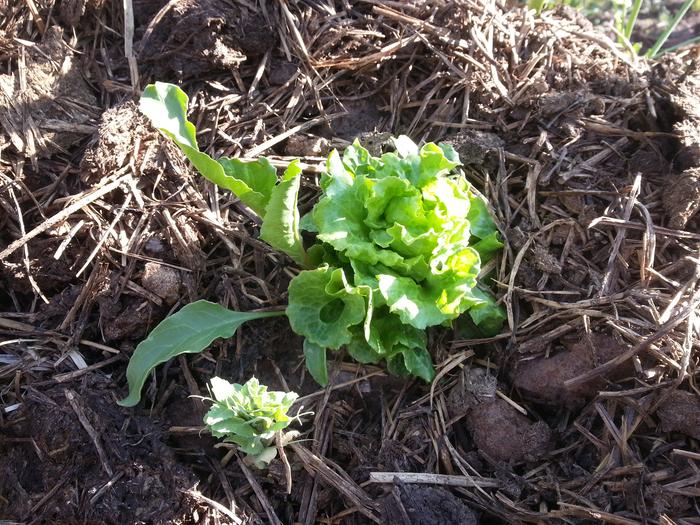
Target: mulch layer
(586,409)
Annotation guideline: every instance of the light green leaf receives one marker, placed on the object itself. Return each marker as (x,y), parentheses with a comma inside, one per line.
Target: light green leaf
(488,247)
(221,389)
(415,305)
(262,459)
(188,331)
(360,350)
(250,181)
(165,105)
(357,159)
(433,164)
(482,224)
(405,146)
(316,362)
(280,227)
(450,153)
(396,366)
(419,363)
(487,315)
(232,425)
(322,306)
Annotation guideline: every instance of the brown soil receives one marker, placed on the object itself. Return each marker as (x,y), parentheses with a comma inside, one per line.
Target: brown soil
(680,412)
(543,379)
(411,505)
(582,411)
(49,107)
(501,433)
(80,448)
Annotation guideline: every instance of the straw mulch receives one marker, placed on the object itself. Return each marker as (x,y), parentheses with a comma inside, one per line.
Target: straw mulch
(586,409)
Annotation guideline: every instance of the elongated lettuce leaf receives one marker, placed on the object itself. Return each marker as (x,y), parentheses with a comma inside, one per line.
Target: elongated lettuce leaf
(280,227)
(315,356)
(190,330)
(165,105)
(254,182)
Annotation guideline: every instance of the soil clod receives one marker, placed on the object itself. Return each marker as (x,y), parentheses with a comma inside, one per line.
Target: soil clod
(680,412)
(419,505)
(542,379)
(502,433)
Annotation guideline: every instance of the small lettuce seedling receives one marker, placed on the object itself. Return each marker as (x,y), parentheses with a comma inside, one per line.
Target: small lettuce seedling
(250,416)
(399,244)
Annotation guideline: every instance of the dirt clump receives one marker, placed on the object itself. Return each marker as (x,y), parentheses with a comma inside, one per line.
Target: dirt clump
(162,280)
(86,467)
(418,505)
(680,412)
(502,433)
(542,378)
(120,128)
(477,148)
(360,116)
(474,386)
(664,501)
(682,198)
(302,145)
(126,316)
(193,37)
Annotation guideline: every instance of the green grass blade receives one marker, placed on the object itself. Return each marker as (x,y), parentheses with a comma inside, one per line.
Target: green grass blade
(632,20)
(188,331)
(654,50)
(537,5)
(680,45)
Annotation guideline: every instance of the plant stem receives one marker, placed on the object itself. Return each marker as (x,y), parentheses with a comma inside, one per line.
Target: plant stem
(537,5)
(654,50)
(632,20)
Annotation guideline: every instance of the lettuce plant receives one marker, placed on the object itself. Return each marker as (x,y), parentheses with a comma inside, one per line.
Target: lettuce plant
(249,416)
(400,241)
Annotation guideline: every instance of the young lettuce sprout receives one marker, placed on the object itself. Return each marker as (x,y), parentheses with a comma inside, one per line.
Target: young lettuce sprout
(251,417)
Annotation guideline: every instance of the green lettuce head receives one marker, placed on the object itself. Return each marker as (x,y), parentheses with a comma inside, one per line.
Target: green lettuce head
(403,241)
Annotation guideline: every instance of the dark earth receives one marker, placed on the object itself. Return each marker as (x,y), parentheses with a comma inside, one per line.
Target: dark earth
(553,127)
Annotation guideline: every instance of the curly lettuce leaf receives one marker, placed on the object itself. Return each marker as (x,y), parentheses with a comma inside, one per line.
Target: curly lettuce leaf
(419,363)
(323,306)
(414,233)
(482,224)
(486,313)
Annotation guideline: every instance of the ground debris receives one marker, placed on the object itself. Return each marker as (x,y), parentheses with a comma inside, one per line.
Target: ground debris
(49,104)
(420,505)
(163,281)
(586,156)
(191,37)
(502,433)
(680,412)
(45,478)
(542,379)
